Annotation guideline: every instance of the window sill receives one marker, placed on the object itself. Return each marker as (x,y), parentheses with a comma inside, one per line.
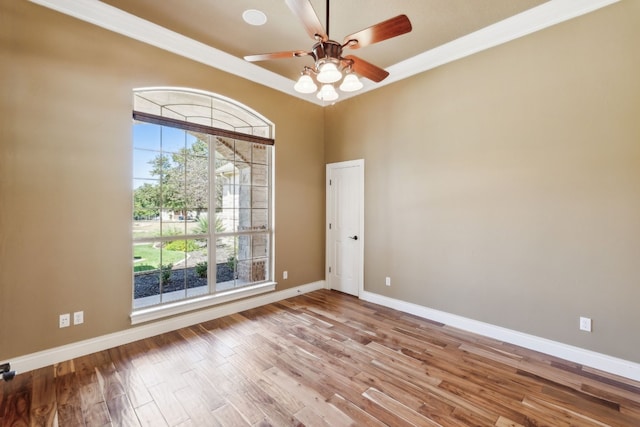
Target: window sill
(172,309)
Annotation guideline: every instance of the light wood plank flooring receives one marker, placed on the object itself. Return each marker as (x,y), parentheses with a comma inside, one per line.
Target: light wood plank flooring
(321,359)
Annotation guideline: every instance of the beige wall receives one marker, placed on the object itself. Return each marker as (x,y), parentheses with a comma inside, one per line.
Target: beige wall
(505,187)
(65,172)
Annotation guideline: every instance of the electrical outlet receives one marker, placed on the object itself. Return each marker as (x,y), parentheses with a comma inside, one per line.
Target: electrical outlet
(387,281)
(65,320)
(585,324)
(285,275)
(78,317)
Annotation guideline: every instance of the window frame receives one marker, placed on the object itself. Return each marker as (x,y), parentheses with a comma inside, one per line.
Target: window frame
(213,297)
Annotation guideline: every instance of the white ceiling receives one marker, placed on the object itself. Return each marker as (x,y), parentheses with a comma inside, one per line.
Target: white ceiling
(213,32)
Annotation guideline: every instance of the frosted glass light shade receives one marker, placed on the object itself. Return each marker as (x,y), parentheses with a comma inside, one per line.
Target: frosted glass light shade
(329,73)
(351,83)
(327,93)
(305,84)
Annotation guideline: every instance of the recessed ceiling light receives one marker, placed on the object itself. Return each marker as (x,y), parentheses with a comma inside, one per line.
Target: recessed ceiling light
(254,17)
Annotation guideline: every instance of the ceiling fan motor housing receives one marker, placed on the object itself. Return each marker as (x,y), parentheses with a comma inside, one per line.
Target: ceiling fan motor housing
(327,51)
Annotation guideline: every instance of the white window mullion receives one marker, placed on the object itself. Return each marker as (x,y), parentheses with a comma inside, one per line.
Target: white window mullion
(211,263)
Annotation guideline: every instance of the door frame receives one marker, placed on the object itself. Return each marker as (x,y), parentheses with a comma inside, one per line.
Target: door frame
(361,237)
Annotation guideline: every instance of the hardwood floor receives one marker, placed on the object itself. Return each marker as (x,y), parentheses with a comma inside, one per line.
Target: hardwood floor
(321,359)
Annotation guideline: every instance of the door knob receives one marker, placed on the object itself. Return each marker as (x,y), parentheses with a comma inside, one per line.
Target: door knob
(353,237)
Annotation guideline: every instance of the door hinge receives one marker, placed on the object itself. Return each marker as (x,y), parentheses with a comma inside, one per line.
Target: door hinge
(329,182)
(329,226)
(329,269)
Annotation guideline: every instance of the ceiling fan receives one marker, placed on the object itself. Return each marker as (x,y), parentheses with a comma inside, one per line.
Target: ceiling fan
(327,54)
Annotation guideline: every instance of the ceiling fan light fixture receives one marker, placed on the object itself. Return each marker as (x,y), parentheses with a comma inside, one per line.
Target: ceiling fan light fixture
(327,93)
(351,83)
(330,66)
(328,73)
(305,84)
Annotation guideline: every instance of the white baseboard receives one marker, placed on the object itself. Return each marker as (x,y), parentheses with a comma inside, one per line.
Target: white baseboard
(51,356)
(579,355)
(603,362)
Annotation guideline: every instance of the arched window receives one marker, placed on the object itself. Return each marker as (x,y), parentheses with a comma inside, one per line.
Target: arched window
(202,201)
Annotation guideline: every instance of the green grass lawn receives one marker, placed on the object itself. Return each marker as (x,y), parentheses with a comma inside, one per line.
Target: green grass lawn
(146,257)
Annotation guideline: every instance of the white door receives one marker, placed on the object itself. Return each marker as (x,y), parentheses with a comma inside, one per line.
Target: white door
(345,226)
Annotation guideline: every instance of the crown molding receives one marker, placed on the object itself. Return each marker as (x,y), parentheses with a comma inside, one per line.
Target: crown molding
(530,21)
(103,15)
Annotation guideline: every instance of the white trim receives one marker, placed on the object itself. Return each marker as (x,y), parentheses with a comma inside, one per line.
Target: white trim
(51,356)
(585,357)
(530,21)
(129,25)
(603,362)
(165,310)
(538,18)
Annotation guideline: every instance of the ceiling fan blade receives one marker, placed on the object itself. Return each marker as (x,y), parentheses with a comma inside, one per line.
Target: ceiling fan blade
(382,31)
(304,10)
(366,69)
(276,55)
